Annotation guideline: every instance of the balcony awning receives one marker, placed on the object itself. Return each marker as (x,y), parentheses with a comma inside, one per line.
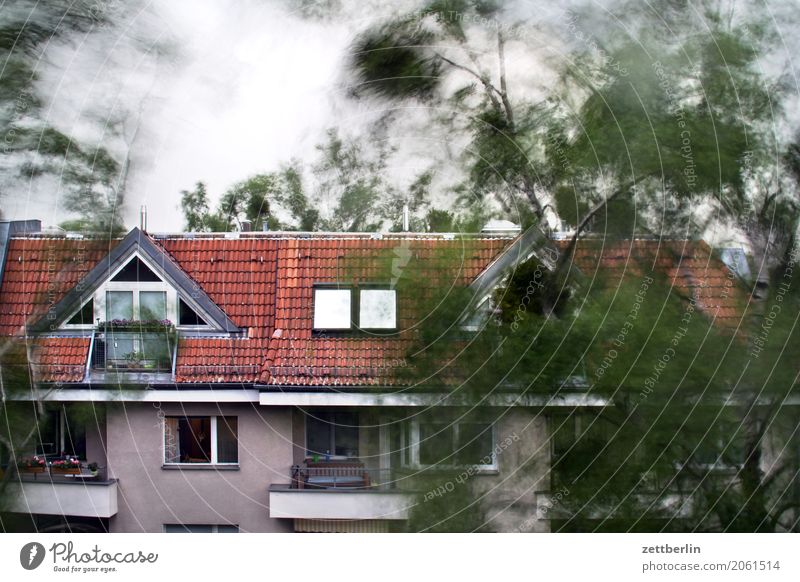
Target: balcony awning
(341,525)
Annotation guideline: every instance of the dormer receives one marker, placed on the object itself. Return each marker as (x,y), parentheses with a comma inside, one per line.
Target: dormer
(133,305)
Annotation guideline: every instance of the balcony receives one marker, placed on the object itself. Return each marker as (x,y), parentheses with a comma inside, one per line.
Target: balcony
(73,495)
(146,351)
(339,490)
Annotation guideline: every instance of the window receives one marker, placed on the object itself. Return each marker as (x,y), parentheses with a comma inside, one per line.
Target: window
(199,528)
(332,433)
(84,316)
(332,309)
(377,309)
(201,439)
(119,305)
(152,305)
(338,309)
(61,432)
(188,316)
(448,444)
(136,271)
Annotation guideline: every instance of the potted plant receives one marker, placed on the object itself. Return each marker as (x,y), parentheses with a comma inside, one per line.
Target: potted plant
(67,466)
(93,468)
(33,464)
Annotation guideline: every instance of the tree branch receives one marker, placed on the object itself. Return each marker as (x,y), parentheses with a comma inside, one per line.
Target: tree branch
(503,86)
(491,91)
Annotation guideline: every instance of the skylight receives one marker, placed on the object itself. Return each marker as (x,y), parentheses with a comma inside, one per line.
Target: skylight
(332,308)
(377,309)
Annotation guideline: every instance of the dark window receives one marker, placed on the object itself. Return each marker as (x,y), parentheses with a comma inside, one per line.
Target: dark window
(475,444)
(136,270)
(62,431)
(332,433)
(194,437)
(187,315)
(456,443)
(199,528)
(85,315)
(436,442)
(227,441)
(201,439)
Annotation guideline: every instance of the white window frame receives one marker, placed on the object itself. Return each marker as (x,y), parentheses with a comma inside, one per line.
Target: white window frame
(412,456)
(89,325)
(354,292)
(99,296)
(214,445)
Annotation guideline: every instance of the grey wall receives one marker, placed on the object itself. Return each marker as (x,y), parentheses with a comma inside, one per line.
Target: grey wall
(150,496)
(510,498)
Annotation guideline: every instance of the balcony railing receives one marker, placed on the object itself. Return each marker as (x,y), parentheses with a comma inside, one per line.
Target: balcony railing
(134,351)
(352,475)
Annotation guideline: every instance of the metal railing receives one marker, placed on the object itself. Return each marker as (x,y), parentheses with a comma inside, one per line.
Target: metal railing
(133,351)
(351,475)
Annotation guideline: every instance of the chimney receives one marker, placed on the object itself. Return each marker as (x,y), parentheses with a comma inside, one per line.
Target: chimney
(246,225)
(143,218)
(405,218)
(265,226)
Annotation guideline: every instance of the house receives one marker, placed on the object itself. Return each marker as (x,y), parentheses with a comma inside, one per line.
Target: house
(254,381)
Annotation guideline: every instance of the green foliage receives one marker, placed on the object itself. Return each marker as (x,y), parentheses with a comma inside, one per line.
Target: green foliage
(90,178)
(393,61)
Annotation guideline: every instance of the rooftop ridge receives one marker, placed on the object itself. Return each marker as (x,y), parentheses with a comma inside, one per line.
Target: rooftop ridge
(274,234)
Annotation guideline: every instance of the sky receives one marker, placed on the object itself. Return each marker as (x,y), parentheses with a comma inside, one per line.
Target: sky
(217,91)
(211,91)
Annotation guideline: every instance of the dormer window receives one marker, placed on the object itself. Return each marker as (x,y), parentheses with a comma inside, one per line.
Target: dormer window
(340,309)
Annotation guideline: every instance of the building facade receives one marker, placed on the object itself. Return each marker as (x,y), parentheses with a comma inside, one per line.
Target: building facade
(257,382)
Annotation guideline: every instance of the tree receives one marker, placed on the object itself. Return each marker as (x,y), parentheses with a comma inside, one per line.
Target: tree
(91,178)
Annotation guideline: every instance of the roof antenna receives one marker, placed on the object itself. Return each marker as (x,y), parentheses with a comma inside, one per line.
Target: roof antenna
(405,217)
(143,219)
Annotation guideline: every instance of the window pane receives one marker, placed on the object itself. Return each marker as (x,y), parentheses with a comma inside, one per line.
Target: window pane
(75,432)
(194,438)
(187,315)
(156,350)
(84,316)
(318,434)
(475,444)
(172,452)
(119,305)
(345,434)
(377,309)
(436,444)
(332,309)
(227,441)
(187,528)
(47,432)
(120,347)
(152,305)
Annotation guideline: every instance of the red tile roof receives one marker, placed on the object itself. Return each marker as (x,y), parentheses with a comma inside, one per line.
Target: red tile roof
(60,359)
(690,267)
(263,283)
(39,272)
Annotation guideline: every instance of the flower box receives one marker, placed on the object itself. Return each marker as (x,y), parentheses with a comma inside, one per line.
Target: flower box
(65,470)
(31,469)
